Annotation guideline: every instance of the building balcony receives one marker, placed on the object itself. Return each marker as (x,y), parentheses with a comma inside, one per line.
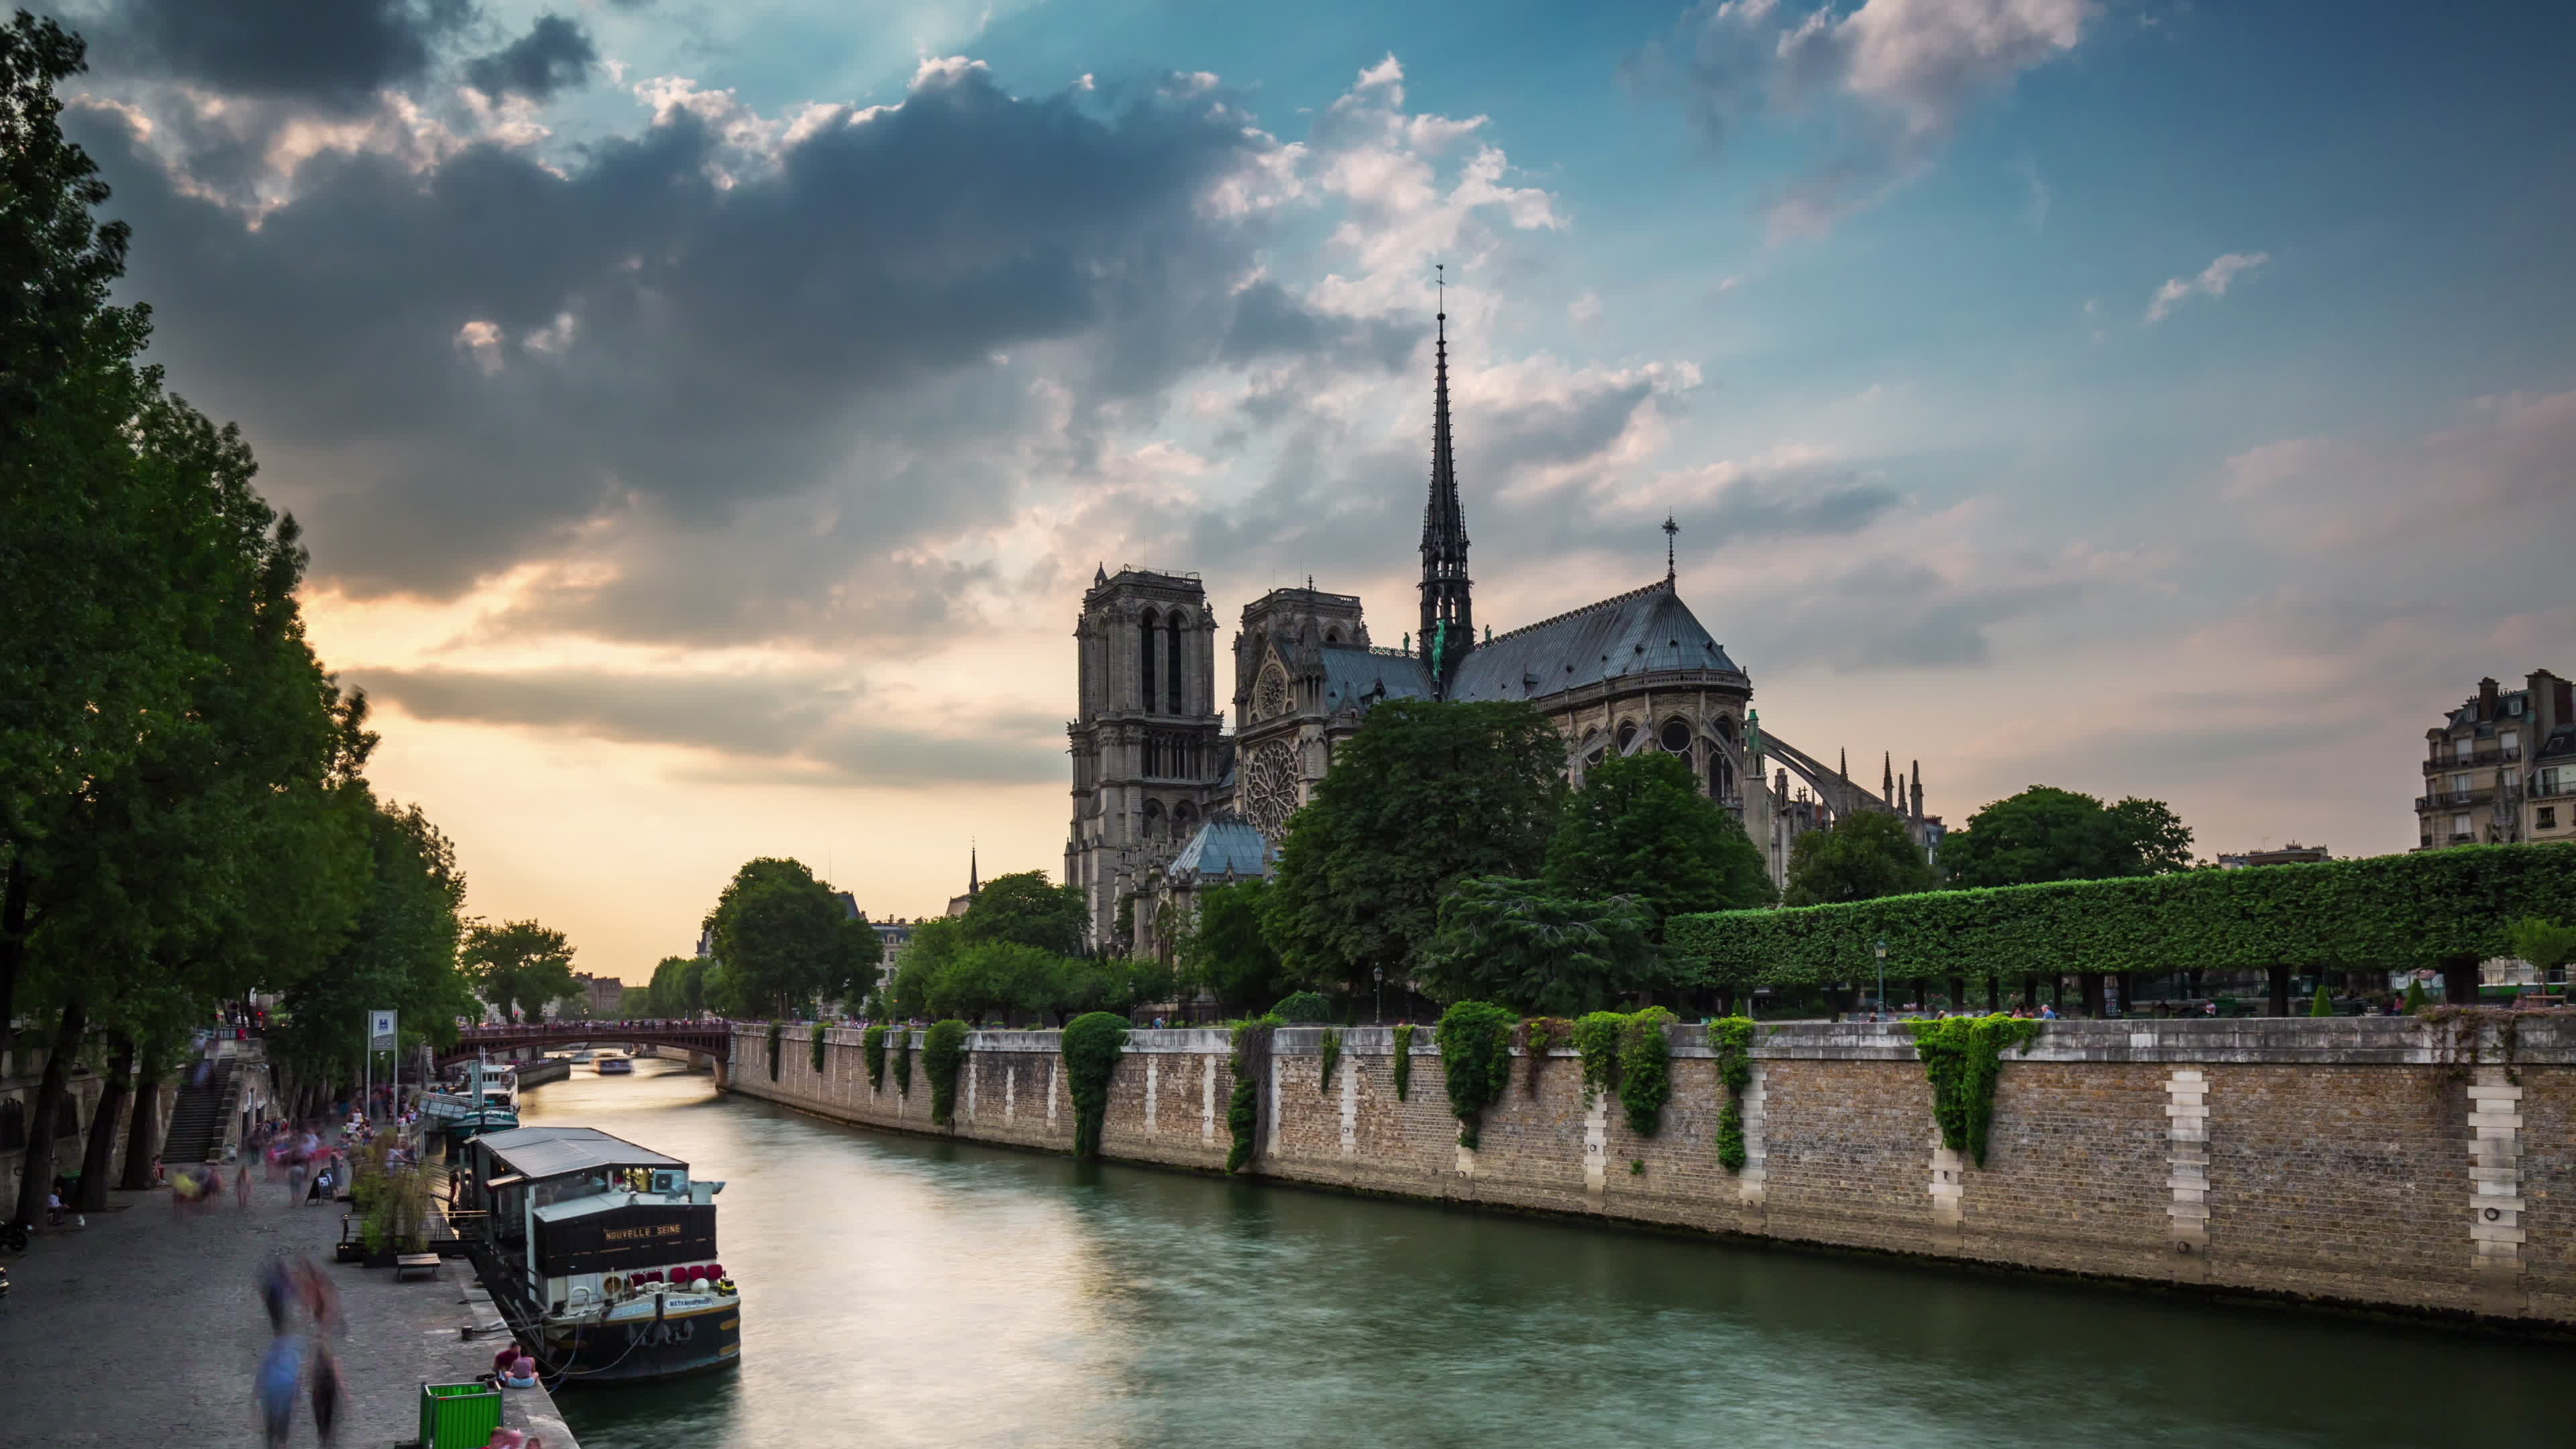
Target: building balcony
(2447,759)
(2452,800)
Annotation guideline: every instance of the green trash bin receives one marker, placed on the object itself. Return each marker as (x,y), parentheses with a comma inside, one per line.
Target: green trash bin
(458,1416)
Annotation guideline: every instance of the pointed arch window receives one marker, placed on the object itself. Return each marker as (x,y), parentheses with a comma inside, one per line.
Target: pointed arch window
(1145,661)
(1172,663)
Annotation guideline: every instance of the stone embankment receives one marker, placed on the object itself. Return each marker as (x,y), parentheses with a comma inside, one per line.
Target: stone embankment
(2424,1166)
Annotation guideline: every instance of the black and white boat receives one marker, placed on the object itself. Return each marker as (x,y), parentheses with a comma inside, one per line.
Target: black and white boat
(601,1253)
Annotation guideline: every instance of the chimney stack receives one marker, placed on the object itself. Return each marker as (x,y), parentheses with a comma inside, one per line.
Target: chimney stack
(2486,699)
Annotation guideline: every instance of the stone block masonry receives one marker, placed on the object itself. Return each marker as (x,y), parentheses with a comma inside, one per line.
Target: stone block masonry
(2374,1162)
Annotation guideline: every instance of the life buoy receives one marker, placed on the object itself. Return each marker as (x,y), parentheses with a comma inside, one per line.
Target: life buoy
(614,1284)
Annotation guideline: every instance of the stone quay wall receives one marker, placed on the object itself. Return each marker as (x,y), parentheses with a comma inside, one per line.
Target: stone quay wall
(2427,1167)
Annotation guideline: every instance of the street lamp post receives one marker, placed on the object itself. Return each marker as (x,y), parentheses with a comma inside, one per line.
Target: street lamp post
(1882,979)
(1378,974)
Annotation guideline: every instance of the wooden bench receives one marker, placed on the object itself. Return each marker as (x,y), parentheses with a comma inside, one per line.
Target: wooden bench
(406,1264)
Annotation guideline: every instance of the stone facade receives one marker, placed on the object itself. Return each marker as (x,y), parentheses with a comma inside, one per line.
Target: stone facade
(2359,1161)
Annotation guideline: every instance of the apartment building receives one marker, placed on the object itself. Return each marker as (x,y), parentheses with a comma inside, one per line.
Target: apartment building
(2502,767)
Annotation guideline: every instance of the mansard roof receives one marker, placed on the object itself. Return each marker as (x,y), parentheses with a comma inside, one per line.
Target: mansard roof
(1362,677)
(1643,631)
(1224,846)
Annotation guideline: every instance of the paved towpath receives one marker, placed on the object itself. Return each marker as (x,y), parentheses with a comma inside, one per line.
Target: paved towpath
(143,1329)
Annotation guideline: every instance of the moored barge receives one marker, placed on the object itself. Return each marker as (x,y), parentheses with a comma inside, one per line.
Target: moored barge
(601,1253)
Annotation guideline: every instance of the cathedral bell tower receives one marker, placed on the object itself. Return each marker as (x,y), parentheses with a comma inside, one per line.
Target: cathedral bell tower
(1448,614)
(1146,748)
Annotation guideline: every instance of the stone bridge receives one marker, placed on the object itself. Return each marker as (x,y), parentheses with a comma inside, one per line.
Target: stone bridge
(711,1039)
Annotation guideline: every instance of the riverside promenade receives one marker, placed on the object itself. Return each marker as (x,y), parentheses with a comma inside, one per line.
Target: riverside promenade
(142,1330)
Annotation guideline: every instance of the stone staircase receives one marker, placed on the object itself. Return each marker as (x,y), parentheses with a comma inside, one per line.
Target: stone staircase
(198,1118)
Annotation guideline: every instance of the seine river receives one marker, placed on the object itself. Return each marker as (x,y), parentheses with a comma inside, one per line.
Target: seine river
(899,1291)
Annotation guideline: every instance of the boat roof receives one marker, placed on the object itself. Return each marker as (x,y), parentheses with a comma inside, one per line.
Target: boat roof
(559,1151)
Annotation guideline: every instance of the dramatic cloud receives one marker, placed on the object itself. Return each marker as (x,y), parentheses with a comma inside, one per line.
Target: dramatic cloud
(799,729)
(1892,81)
(336,54)
(2213,281)
(555,55)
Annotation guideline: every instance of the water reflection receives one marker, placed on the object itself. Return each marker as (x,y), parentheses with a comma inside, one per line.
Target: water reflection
(903,1291)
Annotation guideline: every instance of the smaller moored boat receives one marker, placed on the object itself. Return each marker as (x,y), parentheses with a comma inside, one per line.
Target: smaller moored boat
(486,1101)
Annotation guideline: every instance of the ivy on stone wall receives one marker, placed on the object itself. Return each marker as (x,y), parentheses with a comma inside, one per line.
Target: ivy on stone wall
(1645,1069)
(1331,1057)
(1092,1043)
(872,1045)
(1962,1056)
(1476,1058)
(943,1049)
(2428,910)
(1250,1061)
(1732,1039)
(1403,1061)
(1596,1037)
(775,1032)
(818,1048)
(1539,1036)
(903,1059)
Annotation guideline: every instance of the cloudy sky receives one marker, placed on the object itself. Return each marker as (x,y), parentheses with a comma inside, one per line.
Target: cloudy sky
(706,416)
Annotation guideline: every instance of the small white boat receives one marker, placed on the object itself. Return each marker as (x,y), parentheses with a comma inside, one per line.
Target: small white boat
(615,1066)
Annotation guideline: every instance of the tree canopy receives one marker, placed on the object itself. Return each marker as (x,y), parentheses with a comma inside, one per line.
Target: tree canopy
(2047,834)
(1424,795)
(1504,940)
(1865,855)
(1026,908)
(519,966)
(2427,910)
(1225,951)
(783,939)
(1641,827)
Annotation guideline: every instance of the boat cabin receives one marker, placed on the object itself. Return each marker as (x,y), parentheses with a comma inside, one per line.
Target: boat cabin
(576,1214)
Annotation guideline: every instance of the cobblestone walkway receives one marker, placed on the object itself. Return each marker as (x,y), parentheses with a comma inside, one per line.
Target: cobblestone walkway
(143,1328)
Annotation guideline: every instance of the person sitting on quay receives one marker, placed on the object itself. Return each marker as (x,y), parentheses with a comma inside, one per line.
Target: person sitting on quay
(522,1375)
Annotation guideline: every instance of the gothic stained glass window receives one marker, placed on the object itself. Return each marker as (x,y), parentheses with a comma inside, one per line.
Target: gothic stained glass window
(1270,788)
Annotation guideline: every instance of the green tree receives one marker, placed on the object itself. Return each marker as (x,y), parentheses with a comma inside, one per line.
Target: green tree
(1026,908)
(1865,855)
(2543,943)
(1641,828)
(935,943)
(518,966)
(1505,941)
(2048,834)
(785,938)
(984,978)
(1424,795)
(1225,951)
(403,956)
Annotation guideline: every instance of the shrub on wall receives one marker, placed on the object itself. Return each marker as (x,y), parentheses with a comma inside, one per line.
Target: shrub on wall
(1093,1042)
(943,1050)
(1962,1056)
(1596,1036)
(1732,1039)
(1304,1008)
(775,1032)
(1541,1035)
(872,1045)
(1243,1107)
(1403,1061)
(1645,1069)
(1476,1057)
(903,1059)
(2323,1005)
(2414,997)
(818,1048)
(1331,1058)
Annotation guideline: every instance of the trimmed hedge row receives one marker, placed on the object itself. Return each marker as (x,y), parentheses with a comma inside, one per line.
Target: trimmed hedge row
(2435,909)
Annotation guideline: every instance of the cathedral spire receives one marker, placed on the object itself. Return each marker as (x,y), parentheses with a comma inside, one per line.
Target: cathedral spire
(1887,777)
(974,887)
(1448,616)
(1671,529)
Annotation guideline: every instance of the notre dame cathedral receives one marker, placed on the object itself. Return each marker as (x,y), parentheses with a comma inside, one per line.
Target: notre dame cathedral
(1165,800)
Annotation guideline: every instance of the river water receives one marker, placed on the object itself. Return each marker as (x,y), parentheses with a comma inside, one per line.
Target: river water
(904,1291)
